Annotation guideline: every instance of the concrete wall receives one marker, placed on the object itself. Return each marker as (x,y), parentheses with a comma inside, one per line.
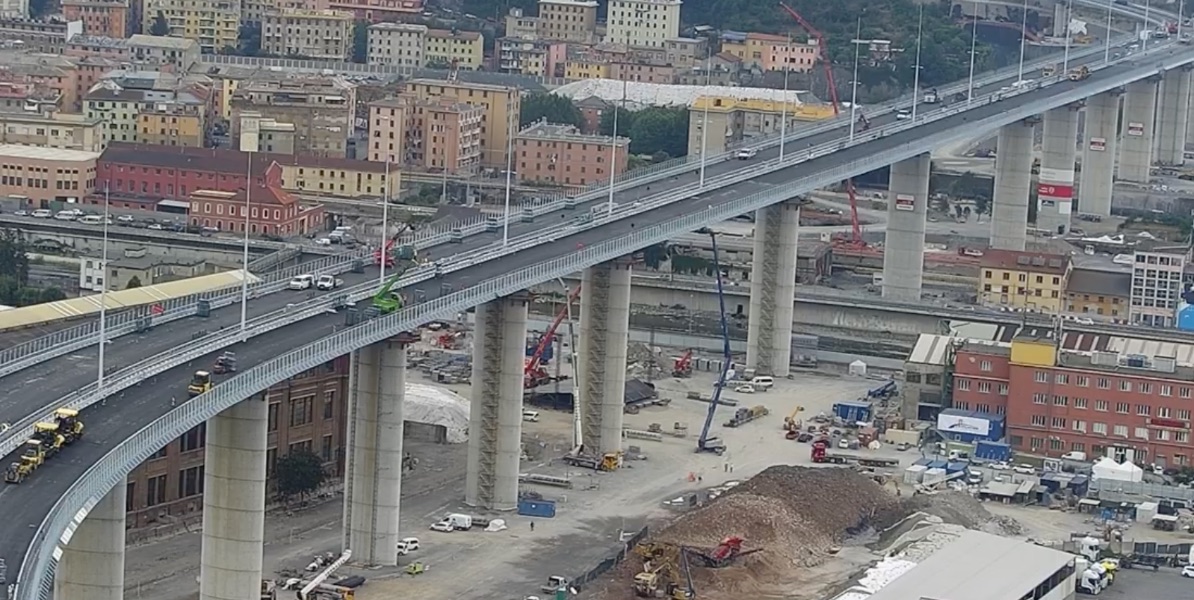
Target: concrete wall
(79,245)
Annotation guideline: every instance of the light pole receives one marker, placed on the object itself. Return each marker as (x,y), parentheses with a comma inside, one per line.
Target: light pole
(973,43)
(244,280)
(916,76)
(705,117)
(510,167)
(382,254)
(1148,32)
(1023,41)
(1065,60)
(783,115)
(1107,42)
(613,151)
(103,318)
(854,82)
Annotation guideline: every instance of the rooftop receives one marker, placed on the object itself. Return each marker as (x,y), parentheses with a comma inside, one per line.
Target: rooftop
(584,3)
(159,41)
(640,95)
(306,13)
(976,567)
(501,89)
(40,153)
(387,26)
(471,36)
(1097,282)
(543,130)
(216,160)
(326,162)
(262,194)
(1033,262)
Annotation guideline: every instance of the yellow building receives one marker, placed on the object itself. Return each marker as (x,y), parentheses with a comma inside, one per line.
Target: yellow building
(465,48)
(214,24)
(1028,281)
(1098,295)
(319,176)
(66,131)
(316,34)
(172,124)
(502,105)
(732,120)
(575,70)
(771,52)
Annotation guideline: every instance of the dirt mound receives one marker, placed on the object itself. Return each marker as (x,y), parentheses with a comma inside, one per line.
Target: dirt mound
(797,514)
(956,508)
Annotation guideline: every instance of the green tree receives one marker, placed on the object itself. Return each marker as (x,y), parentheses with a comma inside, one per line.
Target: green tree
(14,260)
(10,290)
(29,296)
(658,129)
(298,474)
(50,294)
(553,108)
(160,25)
(360,42)
(134,283)
(656,254)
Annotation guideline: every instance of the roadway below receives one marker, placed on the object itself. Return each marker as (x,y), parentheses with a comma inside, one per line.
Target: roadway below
(121,416)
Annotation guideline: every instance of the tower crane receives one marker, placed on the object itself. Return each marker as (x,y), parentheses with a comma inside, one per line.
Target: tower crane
(823,48)
(705,443)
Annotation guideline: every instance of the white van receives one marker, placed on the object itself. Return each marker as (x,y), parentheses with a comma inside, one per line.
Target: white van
(65,215)
(763,382)
(302,282)
(92,220)
(42,213)
(408,545)
(531,416)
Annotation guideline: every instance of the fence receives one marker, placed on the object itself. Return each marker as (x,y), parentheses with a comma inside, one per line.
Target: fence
(610,562)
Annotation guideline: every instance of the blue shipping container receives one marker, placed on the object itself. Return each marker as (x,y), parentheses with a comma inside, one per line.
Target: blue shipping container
(853,411)
(956,467)
(537,508)
(993,451)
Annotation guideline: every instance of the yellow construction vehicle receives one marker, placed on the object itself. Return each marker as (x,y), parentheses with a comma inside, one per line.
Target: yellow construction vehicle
(69,424)
(200,383)
(34,453)
(47,435)
(18,471)
(611,461)
(1079,73)
(1049,71)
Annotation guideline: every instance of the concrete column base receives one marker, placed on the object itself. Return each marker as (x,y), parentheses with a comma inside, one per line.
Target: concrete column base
(904,248)
(92,564)
(1136,145)
(604,334)
(773,289)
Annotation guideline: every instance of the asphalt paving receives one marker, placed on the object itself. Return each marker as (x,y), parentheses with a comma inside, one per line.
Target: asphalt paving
(123,415)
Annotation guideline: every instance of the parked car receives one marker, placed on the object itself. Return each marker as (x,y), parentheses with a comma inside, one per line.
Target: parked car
(408,545)
(1188,571)
(42,213)
(1024,469)
(745,388)
(125,219)
(302,282)
(443,526)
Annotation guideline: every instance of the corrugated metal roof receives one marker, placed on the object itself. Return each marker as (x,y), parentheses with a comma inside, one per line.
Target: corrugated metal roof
(930,349)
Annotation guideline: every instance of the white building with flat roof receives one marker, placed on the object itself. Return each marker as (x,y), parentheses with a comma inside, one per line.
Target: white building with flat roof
(642,23)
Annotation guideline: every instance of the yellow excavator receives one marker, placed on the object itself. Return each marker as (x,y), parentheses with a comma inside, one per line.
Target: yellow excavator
(200,383)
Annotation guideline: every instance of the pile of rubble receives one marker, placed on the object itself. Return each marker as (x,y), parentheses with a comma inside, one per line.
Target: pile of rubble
(798,514)
(956,508)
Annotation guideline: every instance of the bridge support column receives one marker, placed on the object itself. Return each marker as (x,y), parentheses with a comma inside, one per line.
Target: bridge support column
(495,424)
(1173,117)
(1136,146)
(92,564)
(1013,185)
(234,502)
(604,334)
(773,289)
(374,460)
(1055,191)
(904,248)
(1098,154)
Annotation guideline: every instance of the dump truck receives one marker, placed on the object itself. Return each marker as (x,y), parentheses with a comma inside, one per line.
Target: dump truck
(607,462)
(746,415)
(69,424)
(1079,73)
(200,383)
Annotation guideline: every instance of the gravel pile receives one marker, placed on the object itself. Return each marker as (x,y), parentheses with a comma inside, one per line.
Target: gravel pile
(957,508)
(797,514)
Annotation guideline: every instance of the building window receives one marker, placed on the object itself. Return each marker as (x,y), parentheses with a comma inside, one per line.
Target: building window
(1183,414)
(326,449)
(1184,392)
(1038,398)
(1080,426)
(1143,410)
(1038,420)
(302,446)
(964,385)
(1058,423)
(1080,403)
(1125,385)
(984,365)
(155,491)
(329,405)
(1003,389)
(273,416)
(1121,431)
(1101,405)
(1061,378)
(1098,428)
(1082,381)
(1102,383)
(190,482)
(1041,377)
(1142,433)
(1145,388)
(1123,408)
(1061,400)
(984,387)
(194,439)
(301,410)
(1163,412)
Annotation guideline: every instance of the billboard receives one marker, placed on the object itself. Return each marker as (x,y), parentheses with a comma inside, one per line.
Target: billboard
(905,202)
(1098,144)
(1136,129)
(1055,190)
(947,423)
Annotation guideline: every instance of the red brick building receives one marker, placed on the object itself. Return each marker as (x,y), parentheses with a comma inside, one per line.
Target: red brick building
(177,172)
(272,211)
(1096,400)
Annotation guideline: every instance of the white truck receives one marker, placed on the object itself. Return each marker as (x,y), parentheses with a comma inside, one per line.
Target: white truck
(328,282)
(460,522)
(931,97)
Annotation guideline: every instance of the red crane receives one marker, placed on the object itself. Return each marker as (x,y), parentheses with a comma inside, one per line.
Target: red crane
(534,375)
(823,47)
(386,251)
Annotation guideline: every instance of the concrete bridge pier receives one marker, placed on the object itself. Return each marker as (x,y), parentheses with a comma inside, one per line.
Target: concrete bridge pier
(604,334)
(1055,190)
(1013,184)
(1136,146)
(234,502)
(495,422)
(904,249)
(1099,145)
(92,564)
(374,461)
(1173,117)
(773,289)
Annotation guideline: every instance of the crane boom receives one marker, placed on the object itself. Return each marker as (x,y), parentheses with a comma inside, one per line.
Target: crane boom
(537,355)
(706,443)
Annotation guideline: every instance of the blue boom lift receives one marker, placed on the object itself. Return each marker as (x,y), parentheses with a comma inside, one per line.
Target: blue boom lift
(706,443)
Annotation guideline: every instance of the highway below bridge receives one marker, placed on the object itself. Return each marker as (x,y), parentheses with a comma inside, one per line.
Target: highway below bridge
(135,422)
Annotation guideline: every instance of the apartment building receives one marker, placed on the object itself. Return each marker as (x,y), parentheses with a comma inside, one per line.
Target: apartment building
(167,53)
(43,72)
(322,110)
(397,45)
(377,11)
(733,120)
(108,18)
(646,23)
(532,57)
(1028,281)
(14,8)
(1126,403)
(573,21)
(316,34)
(307,412)
(1099,295)
(686,53)
(463,49)
(29,97)
(141,169)
(1156,288)
(272,136)
(520,25)
(576,69)
(173,123)
(136,264)
(561,155)
(502,105)
(35,35)
(66,131)
(642,72)
(770,52)
(213,24)
(389,129)
(122,96)
(46,174)
(342,177)
(448,136)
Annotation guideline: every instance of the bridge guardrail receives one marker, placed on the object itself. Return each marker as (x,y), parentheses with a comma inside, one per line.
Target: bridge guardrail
(36,579)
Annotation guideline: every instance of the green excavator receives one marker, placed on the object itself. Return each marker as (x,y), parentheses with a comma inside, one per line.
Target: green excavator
(387,299)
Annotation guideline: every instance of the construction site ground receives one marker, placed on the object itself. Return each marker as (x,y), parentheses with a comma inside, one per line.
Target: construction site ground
(515,562)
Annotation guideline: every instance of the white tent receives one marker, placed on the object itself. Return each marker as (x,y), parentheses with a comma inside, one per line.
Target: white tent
(1107,468)
(437,406)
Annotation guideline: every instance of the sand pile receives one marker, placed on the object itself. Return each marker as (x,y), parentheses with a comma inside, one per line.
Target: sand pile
(797,514)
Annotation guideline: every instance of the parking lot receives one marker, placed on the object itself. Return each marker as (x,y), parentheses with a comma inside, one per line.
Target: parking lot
(1140,584)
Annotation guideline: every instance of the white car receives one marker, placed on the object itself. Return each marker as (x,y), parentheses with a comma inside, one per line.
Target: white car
(1001,466)
(1024,469)
(327,282)
(903,115)
(125,218)
(42,213)
(302,282)
(65,215)
(747,153)
(408,545)
(745,388)
(1188,571)
(443,526)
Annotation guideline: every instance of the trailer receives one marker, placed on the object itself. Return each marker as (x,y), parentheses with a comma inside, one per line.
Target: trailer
(853,412)
(745,415)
